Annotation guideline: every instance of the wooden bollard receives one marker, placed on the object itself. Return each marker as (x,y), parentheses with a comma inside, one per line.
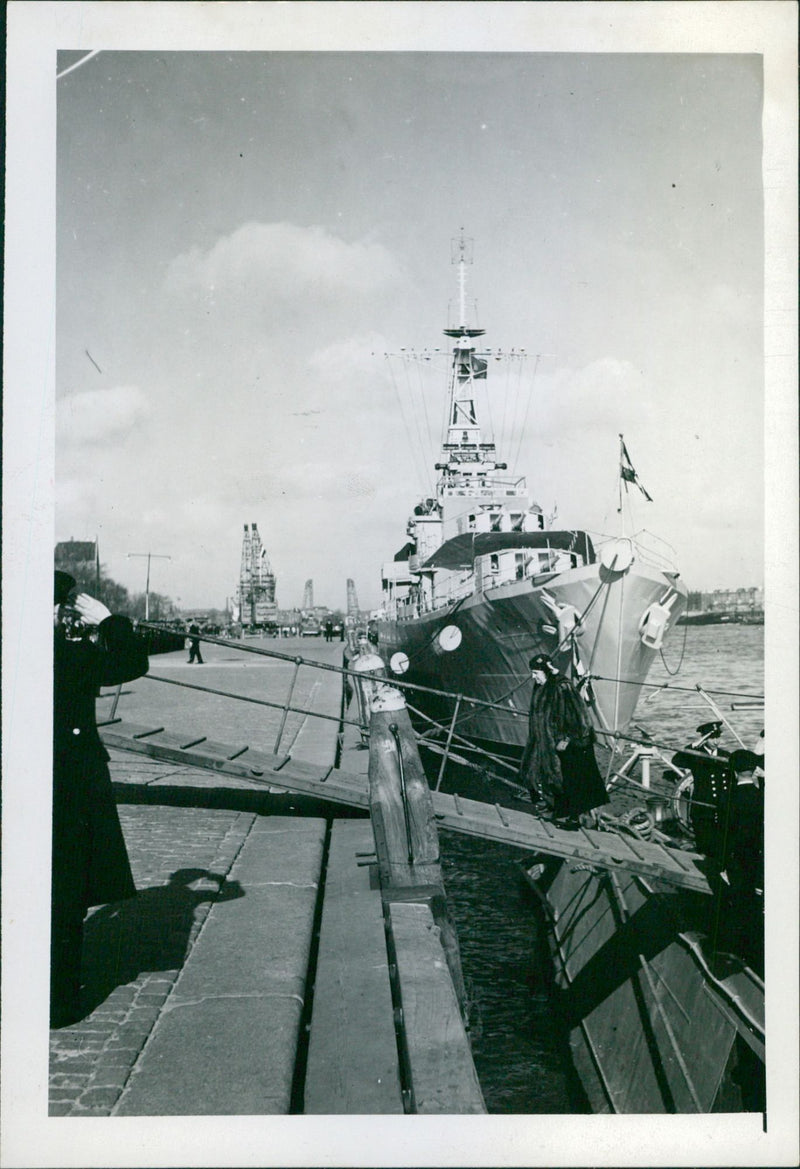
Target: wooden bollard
(373,668)
(406,839)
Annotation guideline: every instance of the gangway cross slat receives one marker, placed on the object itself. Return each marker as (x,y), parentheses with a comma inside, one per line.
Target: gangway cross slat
(609,850)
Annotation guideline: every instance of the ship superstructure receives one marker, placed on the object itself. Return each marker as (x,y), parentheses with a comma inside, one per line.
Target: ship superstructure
(483,581)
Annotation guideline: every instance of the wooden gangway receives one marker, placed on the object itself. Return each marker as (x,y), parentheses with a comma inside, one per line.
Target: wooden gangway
(615,849)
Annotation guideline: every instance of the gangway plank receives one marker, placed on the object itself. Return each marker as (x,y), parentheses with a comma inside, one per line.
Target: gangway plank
(279,772)
(610,850)
(606,849)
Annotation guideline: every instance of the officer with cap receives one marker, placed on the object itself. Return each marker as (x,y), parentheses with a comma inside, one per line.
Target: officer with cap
(91,648)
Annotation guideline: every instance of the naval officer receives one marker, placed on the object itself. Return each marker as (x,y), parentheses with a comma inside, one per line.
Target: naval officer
(91,648)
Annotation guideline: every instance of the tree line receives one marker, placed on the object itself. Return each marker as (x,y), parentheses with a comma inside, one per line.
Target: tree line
(95,580)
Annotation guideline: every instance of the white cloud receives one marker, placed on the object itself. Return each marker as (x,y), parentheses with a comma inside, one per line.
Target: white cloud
(284,261)
(608,393)
(91,417)
(341,359)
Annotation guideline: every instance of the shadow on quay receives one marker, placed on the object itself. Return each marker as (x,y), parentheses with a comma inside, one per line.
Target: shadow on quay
(150,933)
(232,799)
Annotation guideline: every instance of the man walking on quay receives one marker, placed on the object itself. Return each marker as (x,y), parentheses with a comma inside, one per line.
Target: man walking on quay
(91,648)
(194,644)
(559,764)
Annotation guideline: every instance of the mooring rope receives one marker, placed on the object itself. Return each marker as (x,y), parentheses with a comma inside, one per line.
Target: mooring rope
(669,686)
(677,669)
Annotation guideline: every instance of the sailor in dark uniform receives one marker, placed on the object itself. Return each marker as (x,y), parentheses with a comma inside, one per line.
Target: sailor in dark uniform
(91,648)
(194,644)
(711,781)
(741,859)
(559,764)
(743,856)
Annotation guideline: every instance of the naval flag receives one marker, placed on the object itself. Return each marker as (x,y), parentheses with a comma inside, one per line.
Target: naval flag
(472,366)
(627,470)
(478,367)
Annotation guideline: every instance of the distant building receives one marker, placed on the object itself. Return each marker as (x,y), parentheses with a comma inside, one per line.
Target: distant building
(289,616)
(733,602)
(81,559)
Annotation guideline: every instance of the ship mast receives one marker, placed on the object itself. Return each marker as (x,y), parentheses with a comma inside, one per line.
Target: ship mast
(462,261)
(468,458)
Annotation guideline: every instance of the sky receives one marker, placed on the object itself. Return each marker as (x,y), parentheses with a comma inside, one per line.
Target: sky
(242,237)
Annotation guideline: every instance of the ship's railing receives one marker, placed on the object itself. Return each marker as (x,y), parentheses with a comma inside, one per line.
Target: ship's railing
(491,570)
(509,569)
(454,591)
(650,549)
(465,485)
(415,606)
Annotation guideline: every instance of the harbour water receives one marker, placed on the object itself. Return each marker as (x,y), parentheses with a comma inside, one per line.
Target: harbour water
(520,1055)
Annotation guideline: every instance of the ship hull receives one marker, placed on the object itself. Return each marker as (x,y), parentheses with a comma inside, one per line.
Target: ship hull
(656,1022)
(501,628)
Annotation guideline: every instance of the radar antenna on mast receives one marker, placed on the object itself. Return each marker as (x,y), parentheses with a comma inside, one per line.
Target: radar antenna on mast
(461,254)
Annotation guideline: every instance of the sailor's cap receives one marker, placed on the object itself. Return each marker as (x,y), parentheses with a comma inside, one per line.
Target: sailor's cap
(63,585)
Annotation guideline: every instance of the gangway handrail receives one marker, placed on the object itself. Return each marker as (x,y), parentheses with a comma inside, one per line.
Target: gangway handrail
(293,658)
(248,698)
(616,737)
(297,661)
(341,720)
(229,644)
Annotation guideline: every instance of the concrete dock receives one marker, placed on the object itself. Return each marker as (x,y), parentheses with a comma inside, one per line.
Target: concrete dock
(251,974)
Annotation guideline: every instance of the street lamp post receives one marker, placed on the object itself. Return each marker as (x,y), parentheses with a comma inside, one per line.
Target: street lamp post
(150,556)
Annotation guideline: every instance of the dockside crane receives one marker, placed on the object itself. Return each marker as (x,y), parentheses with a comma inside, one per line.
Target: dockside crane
(256,590)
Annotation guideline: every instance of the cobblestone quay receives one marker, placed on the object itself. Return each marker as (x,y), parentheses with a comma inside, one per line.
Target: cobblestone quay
(184,828)
(134,951)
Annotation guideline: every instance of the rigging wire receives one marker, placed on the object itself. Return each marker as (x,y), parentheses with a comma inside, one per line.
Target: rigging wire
(525,419)
(669,686)
(421,444)
(445,410)
(513,389)
(492,437)
(502,444)
(412,448)
(430,454)
(519,394)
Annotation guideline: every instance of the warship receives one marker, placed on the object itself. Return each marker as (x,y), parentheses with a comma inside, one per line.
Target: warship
(483,581)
